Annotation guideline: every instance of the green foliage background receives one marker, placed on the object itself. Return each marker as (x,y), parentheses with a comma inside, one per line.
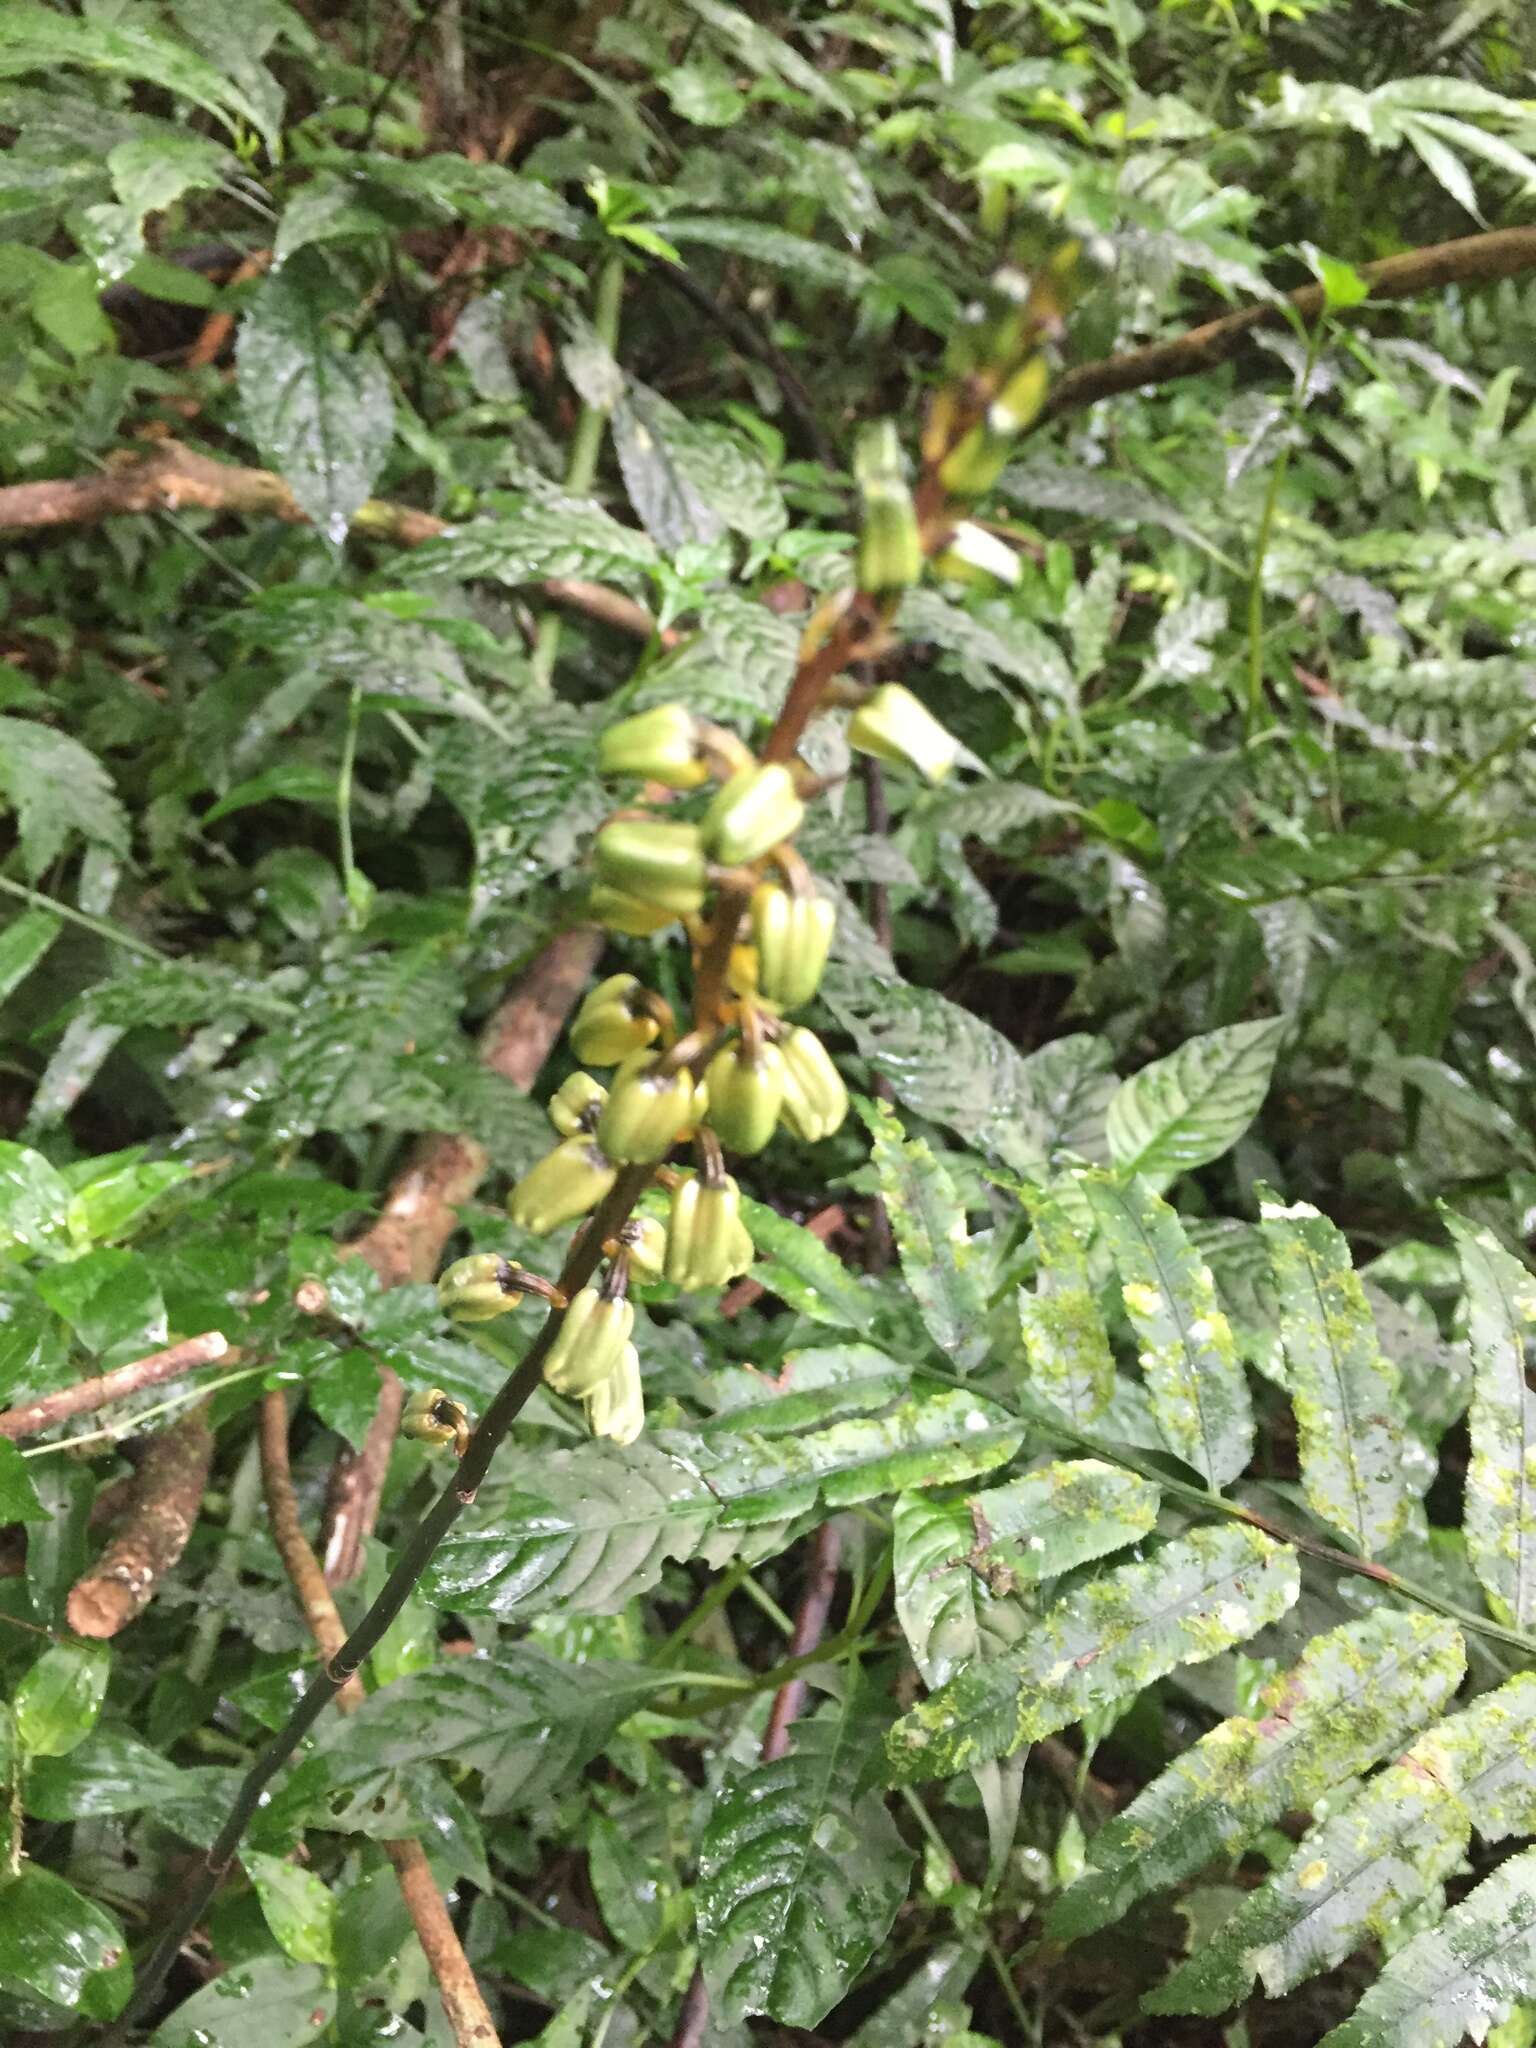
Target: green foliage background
(1180,1457)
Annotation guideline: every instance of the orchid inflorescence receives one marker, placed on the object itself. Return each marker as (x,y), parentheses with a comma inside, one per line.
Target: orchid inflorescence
(721,861)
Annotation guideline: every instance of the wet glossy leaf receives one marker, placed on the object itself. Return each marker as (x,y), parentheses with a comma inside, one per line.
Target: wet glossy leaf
(1066,1346)
(580,1531)
(800,1874)
(1357,1693)
(268,2002)
(1501,1478)
(1199,1595)
(939,1264)
(297,1907)
(1188,1359)
(628,1893)
(58,1699)
(61,1947)
(1192,1106)
(948,1612)
(322,416)
(18,1496)
(109,1771)
(1349,1413)
(1458,1978)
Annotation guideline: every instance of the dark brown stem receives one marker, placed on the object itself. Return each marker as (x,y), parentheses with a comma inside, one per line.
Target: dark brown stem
(158,1520)
(810,1627)
(468,2015)
(86,1396)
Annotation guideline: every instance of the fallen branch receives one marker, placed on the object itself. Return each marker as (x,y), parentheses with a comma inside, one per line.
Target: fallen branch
(466,2009)
(1473,259)
(85,1396)
(159,1517)
(810,1627)
(421,1214)
(176,478)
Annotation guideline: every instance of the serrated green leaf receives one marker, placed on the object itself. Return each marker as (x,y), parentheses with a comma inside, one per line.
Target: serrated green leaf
(579,1532)
(800,1874)
(800,1270)
(526,539)
(1198,1596)
(1500,1515)
(734,669)
(1195,1382)
(1349,1413)
(61,1947)
(58,791)
(59,1697)
(1066,1346)
(1458,1978)
(323,417)
(813,262)
(1189,1108)
(1357,1873)
(938,1261)
(1357,1693)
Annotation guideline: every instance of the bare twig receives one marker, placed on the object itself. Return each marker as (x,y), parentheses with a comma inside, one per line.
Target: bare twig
(176,478)
(218,328)
(1473,259)
(159,1518)
(421,1214)
(466,2009)
(810,1627)
(85,1396)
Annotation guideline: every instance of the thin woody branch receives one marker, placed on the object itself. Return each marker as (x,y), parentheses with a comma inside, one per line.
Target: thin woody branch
(157,1522)
(1473,259)
(175,478)
(86,1396)
(463,2004)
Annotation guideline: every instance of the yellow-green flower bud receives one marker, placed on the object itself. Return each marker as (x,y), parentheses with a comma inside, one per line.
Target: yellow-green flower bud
(661,745)
(616,1406)
(479,1288)
(655,859)
(576,1105)
(1018,405)
(565,1184)
(590,1342)
(973,555)
(815,1100)
(977,459)
(647,1111)
(645,1239)
(433,1417)
(745,1095)
(793,935)
(707,1242)
(890,546)
(893,726)
(754,811)
(613,1022)
(617,911)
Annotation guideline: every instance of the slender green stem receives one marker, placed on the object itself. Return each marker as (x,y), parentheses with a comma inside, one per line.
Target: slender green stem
(99,925)
(344,774)
(710,1601)
(586,445)
(764,1600)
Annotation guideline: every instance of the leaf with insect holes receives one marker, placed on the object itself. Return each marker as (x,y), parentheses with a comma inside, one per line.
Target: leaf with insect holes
(1102,1642)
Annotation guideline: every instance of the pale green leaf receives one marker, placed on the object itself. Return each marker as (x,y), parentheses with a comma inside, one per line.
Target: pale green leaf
(938,1261)
(1500,1515)
(1112,1637)
(297,1907)
(1194,1379)
(1066,1346)
(58,790)
(58,1699)
(1189,1108)
(525,539)
(1345,1393)
(800,1874)
(1357,1693)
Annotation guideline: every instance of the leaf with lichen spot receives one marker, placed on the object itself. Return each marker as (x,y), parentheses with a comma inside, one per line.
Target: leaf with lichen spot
(1500,1520)
(1349,1413)
(1057,1517)
(1194,1379)
(940,1265)
(1198,1596)
(948,1613)
(1357,1873)
(1357,1693)
(1065,1342)
(1458,1978)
